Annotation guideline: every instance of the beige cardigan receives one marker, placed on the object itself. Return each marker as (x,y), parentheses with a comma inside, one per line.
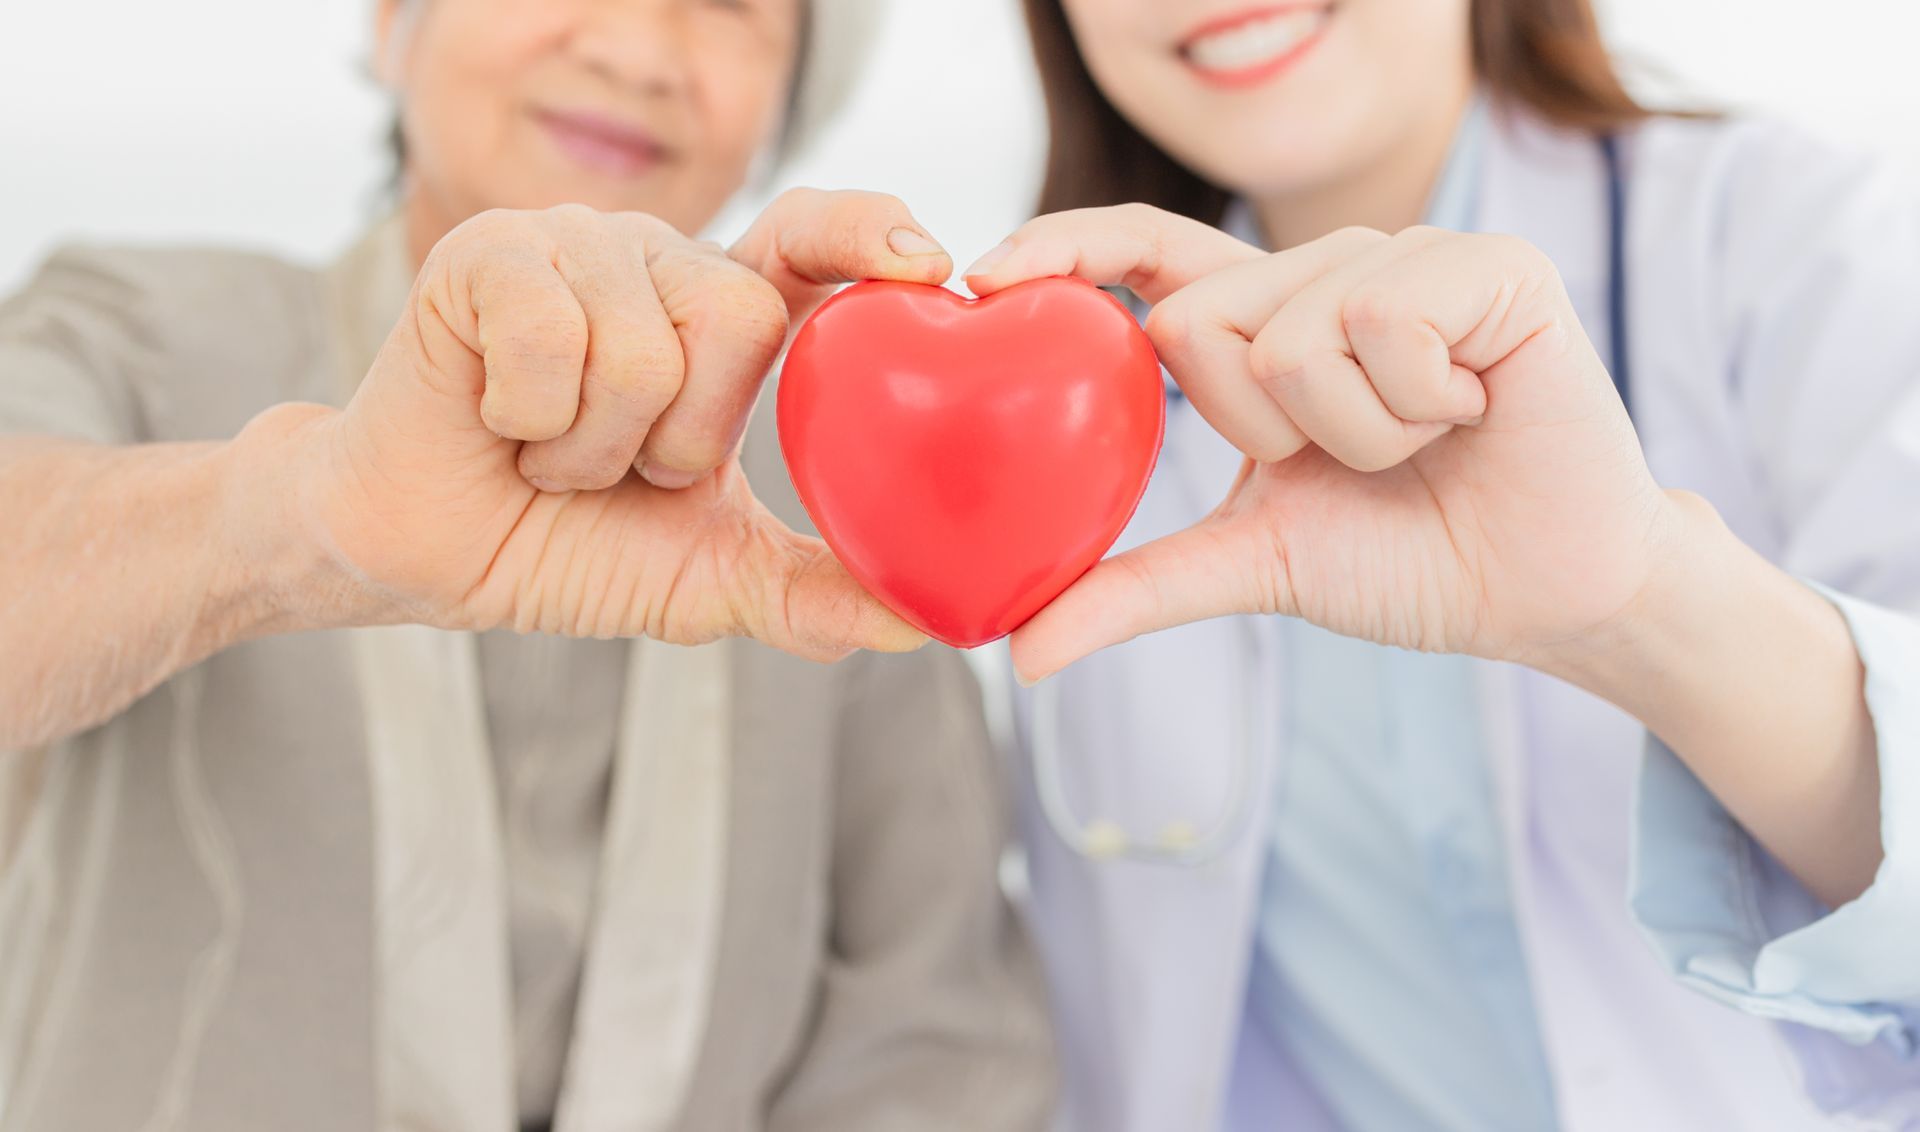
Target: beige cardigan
(270,894)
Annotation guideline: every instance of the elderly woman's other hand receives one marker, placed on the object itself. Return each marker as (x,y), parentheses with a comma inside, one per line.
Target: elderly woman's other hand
(548,438)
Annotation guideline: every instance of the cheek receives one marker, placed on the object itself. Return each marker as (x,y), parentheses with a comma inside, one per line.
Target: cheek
(466,67)
(741,106)
(1128,49)
(1115,38)
(1406,48)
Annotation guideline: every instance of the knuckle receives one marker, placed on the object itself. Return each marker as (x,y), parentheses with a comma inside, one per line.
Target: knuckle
(557,341)
(802,195)
(798,200)
(643,369)
(470,237)
(736,302)
(1373,307)
(573,213)
(1537,274)
(644,227)
(1278,364)
(599,466)
(492,228)
(1368,458)
(1506,244)
(591,467)
(1366,452)
(1516,249)
(753,308)
(1135,214)
(1270,449)
(492,221)
(522,417)
(1173,324)
(1358,235)
(688,450)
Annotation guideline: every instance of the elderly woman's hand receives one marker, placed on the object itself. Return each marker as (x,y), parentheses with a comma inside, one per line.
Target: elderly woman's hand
(547,440)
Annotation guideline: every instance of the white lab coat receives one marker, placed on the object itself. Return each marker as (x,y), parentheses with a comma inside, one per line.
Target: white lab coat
(1773,287)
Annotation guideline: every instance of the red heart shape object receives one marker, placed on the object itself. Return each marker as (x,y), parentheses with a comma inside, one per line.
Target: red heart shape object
(968,459)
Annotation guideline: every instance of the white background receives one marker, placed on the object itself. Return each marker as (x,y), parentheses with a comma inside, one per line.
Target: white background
(250,121)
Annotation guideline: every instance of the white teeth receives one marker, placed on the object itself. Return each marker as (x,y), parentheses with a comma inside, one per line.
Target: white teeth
(1256,42)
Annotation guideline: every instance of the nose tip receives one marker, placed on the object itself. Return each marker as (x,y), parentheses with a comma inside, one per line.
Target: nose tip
(641,48)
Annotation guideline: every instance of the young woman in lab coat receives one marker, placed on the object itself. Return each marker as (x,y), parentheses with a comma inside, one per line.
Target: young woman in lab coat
(1556,678)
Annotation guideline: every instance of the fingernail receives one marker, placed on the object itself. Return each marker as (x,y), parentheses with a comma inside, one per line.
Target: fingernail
(907,242)
(546,485)
(992,259)
(1467,422)
(672,479)
(1024,680)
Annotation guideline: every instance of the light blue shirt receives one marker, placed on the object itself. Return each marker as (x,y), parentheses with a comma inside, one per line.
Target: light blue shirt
(1387,963)
(1385,833)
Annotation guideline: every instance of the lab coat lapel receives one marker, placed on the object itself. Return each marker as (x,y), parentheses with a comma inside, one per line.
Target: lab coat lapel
(1548,187)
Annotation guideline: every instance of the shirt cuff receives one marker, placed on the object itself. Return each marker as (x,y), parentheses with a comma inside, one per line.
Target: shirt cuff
(1730,922)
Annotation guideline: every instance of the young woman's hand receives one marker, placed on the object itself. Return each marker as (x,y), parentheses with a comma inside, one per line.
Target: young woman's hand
(548,438)
(1437,458)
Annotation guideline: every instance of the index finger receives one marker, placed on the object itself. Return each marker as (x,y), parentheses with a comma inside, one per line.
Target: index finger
(1149,251)
(731,324)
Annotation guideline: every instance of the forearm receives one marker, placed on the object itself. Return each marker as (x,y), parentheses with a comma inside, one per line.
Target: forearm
(1754,681)
(125,565)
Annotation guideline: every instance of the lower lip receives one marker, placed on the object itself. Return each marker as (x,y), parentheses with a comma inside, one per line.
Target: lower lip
(1261,72)
(598,153)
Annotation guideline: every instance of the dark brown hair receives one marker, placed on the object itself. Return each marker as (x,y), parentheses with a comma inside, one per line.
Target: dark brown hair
(1546,55)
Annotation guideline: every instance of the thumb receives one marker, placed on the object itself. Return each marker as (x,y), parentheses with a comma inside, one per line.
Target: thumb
(810,241)
(796,596)
(1212,569)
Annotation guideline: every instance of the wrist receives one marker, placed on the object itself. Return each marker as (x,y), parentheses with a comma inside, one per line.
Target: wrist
(1709,610)
(1753,680)
(278,572)
(1695,567)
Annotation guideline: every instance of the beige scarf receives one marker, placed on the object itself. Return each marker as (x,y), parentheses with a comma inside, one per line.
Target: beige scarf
(443,999)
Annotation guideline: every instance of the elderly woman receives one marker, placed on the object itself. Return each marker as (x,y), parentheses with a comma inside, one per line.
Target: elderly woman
(301,832)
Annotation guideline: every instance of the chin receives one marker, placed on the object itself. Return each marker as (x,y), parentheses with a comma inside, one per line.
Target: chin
(1277,170)
(1277,156)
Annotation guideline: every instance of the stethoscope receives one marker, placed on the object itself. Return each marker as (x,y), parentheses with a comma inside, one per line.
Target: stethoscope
(1190,846)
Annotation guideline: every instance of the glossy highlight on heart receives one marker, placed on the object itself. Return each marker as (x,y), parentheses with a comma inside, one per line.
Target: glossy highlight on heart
(968,459)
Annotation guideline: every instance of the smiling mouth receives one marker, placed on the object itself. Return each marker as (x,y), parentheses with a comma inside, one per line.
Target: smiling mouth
(1254,46)
(603,145)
